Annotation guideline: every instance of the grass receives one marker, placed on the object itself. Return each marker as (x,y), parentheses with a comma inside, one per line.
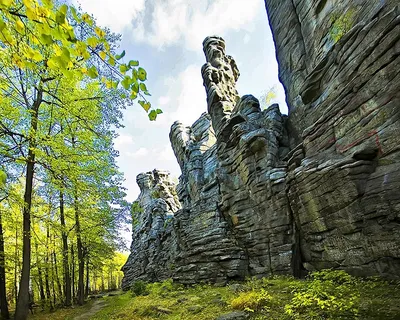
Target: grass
(262,299)
(61,314)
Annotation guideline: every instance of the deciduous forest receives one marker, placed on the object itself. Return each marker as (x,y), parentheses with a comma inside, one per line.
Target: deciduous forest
(63,86)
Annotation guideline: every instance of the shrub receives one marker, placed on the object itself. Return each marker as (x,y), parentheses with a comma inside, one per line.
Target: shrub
(252,300)
(326,295)
(139,288)
(160,288)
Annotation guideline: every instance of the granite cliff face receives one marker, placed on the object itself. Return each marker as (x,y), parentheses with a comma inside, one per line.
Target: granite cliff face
(264,193)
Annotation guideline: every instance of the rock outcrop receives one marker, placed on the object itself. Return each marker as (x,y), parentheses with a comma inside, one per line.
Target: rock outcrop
(263,193)
(339,62)
(153,241)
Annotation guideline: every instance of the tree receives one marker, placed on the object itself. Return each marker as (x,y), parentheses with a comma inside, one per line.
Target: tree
(3,300)
(49,51)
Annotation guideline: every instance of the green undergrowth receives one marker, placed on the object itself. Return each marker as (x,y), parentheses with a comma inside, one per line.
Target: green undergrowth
(323,295)
(61,314)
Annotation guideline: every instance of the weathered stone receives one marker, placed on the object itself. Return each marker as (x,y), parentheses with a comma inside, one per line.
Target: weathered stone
(339,64)
(154,242)
(263,193)
(238,315)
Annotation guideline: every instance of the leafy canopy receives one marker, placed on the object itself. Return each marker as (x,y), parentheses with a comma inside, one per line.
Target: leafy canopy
(56,41)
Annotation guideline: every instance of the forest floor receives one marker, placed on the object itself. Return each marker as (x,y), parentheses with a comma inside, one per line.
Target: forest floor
(329,297)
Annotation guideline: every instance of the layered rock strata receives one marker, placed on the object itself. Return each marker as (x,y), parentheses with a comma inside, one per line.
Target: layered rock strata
(263,193)
(154,246)
(340,64)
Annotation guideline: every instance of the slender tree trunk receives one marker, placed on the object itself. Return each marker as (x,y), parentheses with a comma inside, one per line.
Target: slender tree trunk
(87,274)
(53,286)
(67,276)
(22,308)
(47,270)
(73,270)
(40,280)
(81,260)
(102,281)
(3,298)
(15,293)
(59,287)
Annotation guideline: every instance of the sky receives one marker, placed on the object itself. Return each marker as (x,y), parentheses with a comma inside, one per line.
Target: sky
(166,37)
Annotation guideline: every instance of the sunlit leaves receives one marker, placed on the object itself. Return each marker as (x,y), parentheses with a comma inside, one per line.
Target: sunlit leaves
(120,56)
(133,63)
(42,37)
(6,3)
(3,179)
(142,74)
(92,72)
(145,105)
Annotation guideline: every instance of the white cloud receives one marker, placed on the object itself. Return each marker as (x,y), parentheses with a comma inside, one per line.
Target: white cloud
(115,14)
(140,153)
(166,154)
(123,141)
(164,100)
(166,22)
(191,100)
(171,21)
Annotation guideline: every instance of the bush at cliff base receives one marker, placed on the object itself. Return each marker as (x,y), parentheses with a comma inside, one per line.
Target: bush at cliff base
(328,295)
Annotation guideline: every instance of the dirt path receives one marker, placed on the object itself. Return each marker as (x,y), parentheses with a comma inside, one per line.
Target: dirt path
(97,306)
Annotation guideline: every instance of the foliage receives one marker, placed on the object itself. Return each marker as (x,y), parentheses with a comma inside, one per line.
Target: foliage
(139,288)
(252,301)
(57,41)
(162,288)
(267,97)
(379,300)
(329,295)
(63,88)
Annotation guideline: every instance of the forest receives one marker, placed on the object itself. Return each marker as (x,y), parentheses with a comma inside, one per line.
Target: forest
(63,87)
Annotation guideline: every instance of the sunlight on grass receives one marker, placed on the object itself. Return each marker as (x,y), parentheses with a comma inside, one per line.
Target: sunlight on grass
(321,296)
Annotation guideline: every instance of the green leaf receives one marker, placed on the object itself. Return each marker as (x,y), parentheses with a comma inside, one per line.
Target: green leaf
(133,95)
(143,87)
(92,72)
(74,14)
(111,61)
(135,87)
(123,68)
(64,9)
(60,17)
(66,54)
(115,84)
(126,83)
(46,39)
(145,105)
(153,115)
(159,111)
(120,56)
(142,74)
(3,179)
(133,63)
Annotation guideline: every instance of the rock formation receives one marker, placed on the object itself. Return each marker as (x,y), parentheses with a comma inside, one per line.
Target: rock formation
(339,62)
(263,193)
(153,241)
